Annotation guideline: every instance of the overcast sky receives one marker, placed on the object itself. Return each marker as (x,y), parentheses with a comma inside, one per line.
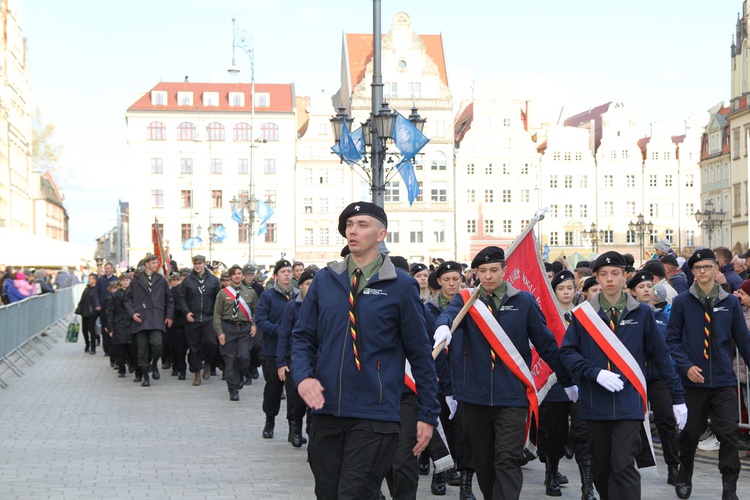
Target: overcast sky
(90,60)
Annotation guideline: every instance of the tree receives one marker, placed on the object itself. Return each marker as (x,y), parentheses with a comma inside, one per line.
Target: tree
(45,153)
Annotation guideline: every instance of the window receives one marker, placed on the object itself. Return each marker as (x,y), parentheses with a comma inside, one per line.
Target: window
(579,156)
(652,181)
(625,153)
(161,231)
(393,234)
(553,240)
(308,204)
(556,156)
(609,236)
(215,165)
(269,132)
(415,234)
(210,98)
(157,131)
(269,196)
(669,233)
(186,198)
(553,210)
(470,169)
(689,210)
(439,192)
(653,209)
(689,180)
(506,196)
(568,238)
(506,169)
(242,234)
(568,211)
(307,175)
(524,223)
(215,131)
(242,132)
(690,238)
(583,211)
(438,231)
(242,165)
(507,225)
(489,226)
(471,196)
(323,205)
(566,156)
(506,122)
(236,99)
(630,181)
(654,155)
(609,208)
(418,161)
(584,183)
(392,191)
(157,165)
(390,90)
(308,238)
(553,181)
(654,236)
(629,237)
(568,181)
(186,165)
(668,180)
(609,181)
(415,90)
(438,163)
(216,198)
(525,169)
(488,169)
(262,99)
(323,237)
(270,236)
(186,131)
(337,176)
(186,232)
(157,198)
(737,189)
(185,98)
(158,98)
(613,154)
(489,196)
(269,165)
(471,226)
(420,196)
(524,196)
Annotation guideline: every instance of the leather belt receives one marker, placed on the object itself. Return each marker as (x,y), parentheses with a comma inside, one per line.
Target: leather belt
(237,323)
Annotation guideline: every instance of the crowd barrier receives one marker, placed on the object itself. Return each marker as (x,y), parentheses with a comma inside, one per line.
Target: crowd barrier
(34,323)
(743,392)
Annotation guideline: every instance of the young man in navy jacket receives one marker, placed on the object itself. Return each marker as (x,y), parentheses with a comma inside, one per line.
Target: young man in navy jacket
(704,324)
(359,322)
(610,402)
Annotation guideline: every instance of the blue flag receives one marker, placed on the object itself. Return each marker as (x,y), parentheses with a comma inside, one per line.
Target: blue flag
(347,148)
(263,228)
(191,242)
(238,217)
(264,210)
(408,139)
(359,140)
(406,169)
(220,234)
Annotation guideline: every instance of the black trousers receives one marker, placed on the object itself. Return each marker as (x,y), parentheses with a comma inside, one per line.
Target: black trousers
(403,475)
(273,388)
(148,339)
(457,435)
(122,354)
(614,446)
(497,435)
(179,346)
(106,339)
(295,405)
(236,353)
(554,431)
(721,406)
(201,338)
(661,405)
(88,328)
(350,456)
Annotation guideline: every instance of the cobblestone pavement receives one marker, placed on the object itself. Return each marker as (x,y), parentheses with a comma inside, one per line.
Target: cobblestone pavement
(71,429)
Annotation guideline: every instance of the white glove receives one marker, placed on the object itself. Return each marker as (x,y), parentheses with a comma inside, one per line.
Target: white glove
(680,414)
(610,381)
(572,393)
(452,405)
(443,333)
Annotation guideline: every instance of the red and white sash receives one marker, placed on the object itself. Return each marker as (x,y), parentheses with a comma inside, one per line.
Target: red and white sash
(506,350)
(618,354)
(243,305)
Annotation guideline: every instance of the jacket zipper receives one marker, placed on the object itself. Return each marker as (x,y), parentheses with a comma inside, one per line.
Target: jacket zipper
(463,382)
(201,310)
(341,367)
(380,385)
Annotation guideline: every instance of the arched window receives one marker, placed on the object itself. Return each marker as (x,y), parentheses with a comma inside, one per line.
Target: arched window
(215,131)
(186,131)
(242,132)
(269,132)
(438,162)
(157,131)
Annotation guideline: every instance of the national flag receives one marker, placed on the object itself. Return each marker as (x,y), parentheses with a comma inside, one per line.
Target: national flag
(264,210)
(238,217)
(409,140)
(406,169)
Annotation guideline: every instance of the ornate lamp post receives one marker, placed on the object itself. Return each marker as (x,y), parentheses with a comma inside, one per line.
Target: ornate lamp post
(709,219)
(595,236)
(641,227)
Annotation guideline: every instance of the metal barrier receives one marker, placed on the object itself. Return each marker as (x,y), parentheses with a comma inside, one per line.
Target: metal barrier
(743,391)
(32,323)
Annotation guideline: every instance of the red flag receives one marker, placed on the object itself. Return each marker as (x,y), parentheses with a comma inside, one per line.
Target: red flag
(159,248)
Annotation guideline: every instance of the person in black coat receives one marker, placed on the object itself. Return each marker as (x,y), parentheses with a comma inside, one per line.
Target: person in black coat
(149,302)
(87,309)
(119,322)
(176,333)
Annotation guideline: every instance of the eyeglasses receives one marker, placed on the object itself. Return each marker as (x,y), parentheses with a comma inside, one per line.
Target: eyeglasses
(705,268)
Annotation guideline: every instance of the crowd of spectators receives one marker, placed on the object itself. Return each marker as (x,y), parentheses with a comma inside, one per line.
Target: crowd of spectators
(20,283)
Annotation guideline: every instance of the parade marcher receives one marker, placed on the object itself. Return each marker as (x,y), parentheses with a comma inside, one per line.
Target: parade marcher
(268,319)
(605,348)
(224,279)
(176,333)
(360,321)
(641,287)
(421,273)
(589,288)
(119,322)
(248,279)
(106,327)
(490,358)
(150,305)
(101,294)
(87,309)
(675,275)
(703,326)
(233,322)
(297,269)
(197,298)
(295,406)
(726,267)
(555,410)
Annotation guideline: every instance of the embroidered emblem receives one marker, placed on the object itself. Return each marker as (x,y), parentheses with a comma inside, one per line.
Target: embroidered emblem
(486,258)
(607,260)
(698,255)
(356,207)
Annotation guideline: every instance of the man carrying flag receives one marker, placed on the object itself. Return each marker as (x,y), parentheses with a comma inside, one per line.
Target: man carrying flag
(490,357)
(605,347)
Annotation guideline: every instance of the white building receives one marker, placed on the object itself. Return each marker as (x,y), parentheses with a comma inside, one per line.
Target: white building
(192,150)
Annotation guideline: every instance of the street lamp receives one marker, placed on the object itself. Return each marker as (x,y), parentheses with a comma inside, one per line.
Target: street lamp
(641,227)
(709,219)
(594,236)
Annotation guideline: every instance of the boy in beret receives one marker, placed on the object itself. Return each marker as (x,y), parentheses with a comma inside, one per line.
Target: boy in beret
(360,320)
(421,273)
(704,324)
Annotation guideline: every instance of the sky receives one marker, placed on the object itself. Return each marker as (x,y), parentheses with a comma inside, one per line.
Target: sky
(90,60)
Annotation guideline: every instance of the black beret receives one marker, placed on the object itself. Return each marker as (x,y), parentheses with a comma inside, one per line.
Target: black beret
(417,267)
(281,265)
(702,254)
(562,276)
(588,283)
(655,267)
(306,275)
(610,258)
(557,267)
(487,256)
(548,267)
(583,263)
(447,267)
(361,208)
(640,277)
(432,282)
(669,259)
(399,262)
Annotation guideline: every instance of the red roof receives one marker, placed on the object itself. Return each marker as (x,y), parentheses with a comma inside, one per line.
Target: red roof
(462,123)
(584,118)
(281,96)
(359,50)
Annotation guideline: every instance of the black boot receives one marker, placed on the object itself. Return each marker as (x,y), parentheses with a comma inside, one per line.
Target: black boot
(550,478)
(684,485)
(587,482)
(296,431)
(437,487)
(729,486)
(145,383)
(562,478)
(424,464)
(268,429)
(155,370)
(452,477)
(465,493)
(672,470)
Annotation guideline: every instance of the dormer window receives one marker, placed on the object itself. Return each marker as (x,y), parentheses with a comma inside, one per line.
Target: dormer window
(262,100)
(236,99)
(158,98)
(185,98)
(210,98)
